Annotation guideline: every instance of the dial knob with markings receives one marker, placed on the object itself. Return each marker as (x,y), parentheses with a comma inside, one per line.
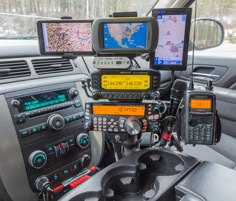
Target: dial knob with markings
(15,103)
(82,140)
(37,159)
(56,122)
(133,126)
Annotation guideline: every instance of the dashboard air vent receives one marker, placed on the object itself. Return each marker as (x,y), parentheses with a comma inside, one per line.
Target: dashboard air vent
(50,66)
(14,69)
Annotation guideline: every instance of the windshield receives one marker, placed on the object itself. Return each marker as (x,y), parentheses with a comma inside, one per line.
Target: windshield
(18,17)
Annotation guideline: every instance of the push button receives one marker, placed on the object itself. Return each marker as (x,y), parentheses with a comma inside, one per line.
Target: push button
(20,118)
(24,133)
(34,130)
(43,127)
(67,119)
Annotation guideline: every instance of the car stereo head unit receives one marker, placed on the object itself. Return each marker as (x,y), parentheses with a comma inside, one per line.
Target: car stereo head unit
(125,35)
(126,84)
(65,37)
(174,29)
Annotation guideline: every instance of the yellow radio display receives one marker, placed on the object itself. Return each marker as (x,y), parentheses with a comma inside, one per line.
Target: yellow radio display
(125,82)
(200,104)
(125,110)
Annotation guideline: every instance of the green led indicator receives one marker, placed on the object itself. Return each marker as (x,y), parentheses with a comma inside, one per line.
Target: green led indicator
(50,148)
(71,140)
(67,119)
(66,171)
(55,176)
(34,130)
(43,127)
(74,117)
(24,132)
(75,166)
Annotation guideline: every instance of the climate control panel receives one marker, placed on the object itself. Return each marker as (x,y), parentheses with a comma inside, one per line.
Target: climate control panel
(50,127)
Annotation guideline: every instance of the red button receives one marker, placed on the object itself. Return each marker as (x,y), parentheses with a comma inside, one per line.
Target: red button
(58,188)
(93,168)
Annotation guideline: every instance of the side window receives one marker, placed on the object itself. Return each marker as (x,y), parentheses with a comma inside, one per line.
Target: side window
(224,12)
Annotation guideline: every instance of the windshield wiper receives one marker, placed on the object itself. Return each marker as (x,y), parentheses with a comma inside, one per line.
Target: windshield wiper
(18,37)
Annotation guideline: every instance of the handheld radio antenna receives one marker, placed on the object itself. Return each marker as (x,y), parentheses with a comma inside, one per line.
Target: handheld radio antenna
(191,84)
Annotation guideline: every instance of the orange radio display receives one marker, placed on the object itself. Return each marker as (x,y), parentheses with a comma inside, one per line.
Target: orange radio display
(126,110)
(200,104)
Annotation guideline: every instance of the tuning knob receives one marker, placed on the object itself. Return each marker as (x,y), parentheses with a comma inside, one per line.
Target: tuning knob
(73,92)
(85,161)
(82,140)
(133,126)
(156,109)
(15,103)
(37,159)
(56,122)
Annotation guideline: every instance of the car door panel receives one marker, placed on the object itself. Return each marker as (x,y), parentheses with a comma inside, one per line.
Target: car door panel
(225,89)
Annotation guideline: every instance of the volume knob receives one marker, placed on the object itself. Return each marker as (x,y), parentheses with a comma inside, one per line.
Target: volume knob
(73,92)
(15,103)
(56,122)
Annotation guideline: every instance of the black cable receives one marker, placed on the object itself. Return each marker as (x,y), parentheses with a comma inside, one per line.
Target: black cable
(137,64)
(85,64)
(191,84)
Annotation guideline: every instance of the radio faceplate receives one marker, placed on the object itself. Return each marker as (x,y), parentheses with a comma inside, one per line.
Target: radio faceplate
(112,118)
(125,85)
(49,122)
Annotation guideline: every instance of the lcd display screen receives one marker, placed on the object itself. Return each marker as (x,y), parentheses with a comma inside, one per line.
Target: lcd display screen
(170,46)
(125,82)
(125,35)
(67,37)
(173,38)
(201,104)
(42,100)
(119,110)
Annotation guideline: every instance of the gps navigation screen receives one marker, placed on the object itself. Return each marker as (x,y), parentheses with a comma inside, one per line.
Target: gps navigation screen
(67,37)
(124,35)
(170,46)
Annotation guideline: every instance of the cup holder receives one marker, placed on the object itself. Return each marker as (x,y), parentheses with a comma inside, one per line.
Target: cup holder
(127,187)
(142,183)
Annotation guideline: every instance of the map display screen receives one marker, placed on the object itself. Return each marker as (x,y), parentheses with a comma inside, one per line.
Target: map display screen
(170,48)
(125,35)
(67,36)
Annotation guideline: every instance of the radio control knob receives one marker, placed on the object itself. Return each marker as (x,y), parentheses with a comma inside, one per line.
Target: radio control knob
(82,140)
(15,103)
(85,161)
(156,110)
(73,92)
(56,122)
(133,126)
(37,159)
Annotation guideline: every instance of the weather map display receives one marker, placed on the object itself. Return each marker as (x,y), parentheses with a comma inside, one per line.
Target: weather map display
(67,36)
(124,35)
(170,48)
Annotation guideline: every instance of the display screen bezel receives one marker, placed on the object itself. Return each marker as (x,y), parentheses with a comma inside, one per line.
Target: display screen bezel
(41,39)
(174,11)
(111,108)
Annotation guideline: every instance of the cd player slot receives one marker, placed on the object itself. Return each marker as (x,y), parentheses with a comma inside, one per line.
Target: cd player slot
(47,110)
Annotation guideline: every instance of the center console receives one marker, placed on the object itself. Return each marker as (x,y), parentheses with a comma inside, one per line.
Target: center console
(149,174)
(49,123)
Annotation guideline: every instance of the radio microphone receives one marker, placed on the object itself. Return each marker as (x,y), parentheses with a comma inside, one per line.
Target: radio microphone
(177,93)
